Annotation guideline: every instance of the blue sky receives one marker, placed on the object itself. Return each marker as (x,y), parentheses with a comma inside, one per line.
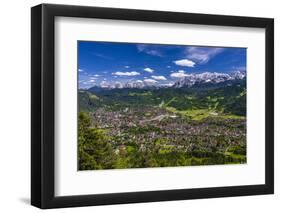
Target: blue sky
(106,63)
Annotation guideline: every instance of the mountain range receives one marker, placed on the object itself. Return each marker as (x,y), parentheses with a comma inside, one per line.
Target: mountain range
(190,80)
(208,78)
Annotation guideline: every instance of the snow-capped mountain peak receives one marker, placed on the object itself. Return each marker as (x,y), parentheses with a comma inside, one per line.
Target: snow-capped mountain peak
(188,80)
(208,77)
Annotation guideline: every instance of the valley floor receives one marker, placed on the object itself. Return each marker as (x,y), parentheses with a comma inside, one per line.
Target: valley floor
(156,136)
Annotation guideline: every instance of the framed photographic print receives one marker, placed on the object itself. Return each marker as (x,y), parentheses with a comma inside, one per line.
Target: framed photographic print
(139,106)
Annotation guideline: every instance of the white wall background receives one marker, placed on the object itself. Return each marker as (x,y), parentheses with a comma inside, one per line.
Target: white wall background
(15,105)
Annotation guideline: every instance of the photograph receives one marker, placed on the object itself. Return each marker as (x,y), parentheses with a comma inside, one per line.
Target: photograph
(133,105)
(146,105)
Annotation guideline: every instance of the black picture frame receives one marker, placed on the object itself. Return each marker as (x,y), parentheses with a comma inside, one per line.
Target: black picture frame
(43,117)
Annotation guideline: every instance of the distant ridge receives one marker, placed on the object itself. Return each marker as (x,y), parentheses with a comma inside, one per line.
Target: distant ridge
(190,80)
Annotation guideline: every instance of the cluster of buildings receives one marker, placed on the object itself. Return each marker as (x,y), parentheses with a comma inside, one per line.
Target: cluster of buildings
(148,127)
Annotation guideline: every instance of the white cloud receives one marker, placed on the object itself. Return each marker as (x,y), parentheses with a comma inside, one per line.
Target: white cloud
(167,85)
(96,75)
(240,68)
(92,80)
(179,74)
(133,73)
(202,54)
(147,69)
(154,52)
(127,67)
(185,63)
(159,77)
(149,49)
(168,66)
(80,70)
(150,81)
(104,84)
